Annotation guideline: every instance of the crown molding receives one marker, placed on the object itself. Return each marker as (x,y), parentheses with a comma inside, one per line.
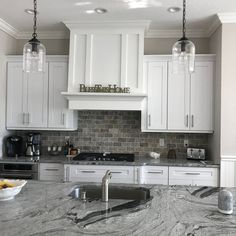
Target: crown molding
(175,33)
(229,17)
(7,28)
(45,35)
(220,18)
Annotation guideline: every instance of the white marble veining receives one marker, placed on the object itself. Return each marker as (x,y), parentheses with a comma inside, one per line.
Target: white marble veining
(46,209)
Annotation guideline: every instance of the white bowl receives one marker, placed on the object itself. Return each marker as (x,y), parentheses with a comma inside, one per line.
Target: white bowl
(10,193)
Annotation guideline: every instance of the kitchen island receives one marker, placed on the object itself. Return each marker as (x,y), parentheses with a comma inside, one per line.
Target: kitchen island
(44,208)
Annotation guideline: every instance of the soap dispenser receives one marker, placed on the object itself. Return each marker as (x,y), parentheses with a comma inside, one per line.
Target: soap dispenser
(225,202)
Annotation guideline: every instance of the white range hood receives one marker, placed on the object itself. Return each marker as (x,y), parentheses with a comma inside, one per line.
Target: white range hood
(106,53)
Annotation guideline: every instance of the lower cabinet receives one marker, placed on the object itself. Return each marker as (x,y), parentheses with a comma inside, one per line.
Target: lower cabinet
(193,176)
(51,172)
(88,173)
(154,175)
(163,175)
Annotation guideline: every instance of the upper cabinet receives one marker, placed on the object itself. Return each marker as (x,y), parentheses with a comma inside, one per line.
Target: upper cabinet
(34,101)
(156,74)
(183,101)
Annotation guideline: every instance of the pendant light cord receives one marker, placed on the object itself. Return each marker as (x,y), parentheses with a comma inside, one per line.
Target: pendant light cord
(184,18)
(35,19)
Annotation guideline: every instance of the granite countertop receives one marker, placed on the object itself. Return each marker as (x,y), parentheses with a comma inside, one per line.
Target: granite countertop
(139,161)
(46,209)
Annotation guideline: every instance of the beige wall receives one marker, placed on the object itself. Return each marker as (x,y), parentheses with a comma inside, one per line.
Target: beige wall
(228,91)
(53,46)
(215,44)
(8,45)
(164,45)
(151,46)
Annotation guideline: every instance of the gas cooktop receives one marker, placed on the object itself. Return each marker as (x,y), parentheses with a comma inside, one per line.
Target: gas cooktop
(91,156)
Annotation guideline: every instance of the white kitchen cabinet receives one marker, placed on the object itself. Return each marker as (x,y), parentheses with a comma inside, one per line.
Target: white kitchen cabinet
(60,117)
(89,173)
(156,75)
(178,102)
(34,100)
(193,176)
(154,175)
(51,172)
(190,99)
(27,96)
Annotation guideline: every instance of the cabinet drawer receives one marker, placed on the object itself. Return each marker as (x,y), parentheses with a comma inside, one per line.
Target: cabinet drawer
(193,176)
(51,171)
(154,175)
(88,173)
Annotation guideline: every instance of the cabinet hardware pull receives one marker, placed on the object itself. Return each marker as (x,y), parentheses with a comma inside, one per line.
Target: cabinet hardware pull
(23,118)
(28,118)
(52,169)
(192,120)
(88,171)
(149,120)
(116,172)
(63,118)
(186,122)
(192,173)
(67,174)
(155,172)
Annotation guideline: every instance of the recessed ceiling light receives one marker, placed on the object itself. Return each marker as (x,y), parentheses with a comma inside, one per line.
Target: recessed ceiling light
(82,3)
(173,9)
(90,11)
(30,11)
(100,10)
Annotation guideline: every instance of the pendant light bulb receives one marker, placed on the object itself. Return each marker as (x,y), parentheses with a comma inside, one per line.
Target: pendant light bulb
(183,51)
(34,52)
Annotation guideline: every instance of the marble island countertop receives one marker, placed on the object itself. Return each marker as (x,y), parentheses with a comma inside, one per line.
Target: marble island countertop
(139,161)
(46,209)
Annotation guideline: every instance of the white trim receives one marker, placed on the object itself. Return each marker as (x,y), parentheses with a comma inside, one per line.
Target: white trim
(220,18)
(191,33)
(228,158)
(45,35)
(7,28)
(229,17)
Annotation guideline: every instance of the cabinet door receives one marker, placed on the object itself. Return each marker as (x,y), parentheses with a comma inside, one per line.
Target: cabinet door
(157,95)
(16,95)
(178,100)
(51,172)
(58,111)
(37,99)
(202,97)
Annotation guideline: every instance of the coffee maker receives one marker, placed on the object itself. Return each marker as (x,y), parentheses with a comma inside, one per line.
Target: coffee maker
(14,146)
(33,144)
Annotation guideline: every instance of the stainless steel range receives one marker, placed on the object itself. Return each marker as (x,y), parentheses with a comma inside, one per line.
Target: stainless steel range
(93,156)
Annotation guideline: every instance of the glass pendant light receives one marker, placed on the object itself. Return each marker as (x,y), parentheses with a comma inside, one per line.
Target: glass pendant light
(183,51)
(34,52)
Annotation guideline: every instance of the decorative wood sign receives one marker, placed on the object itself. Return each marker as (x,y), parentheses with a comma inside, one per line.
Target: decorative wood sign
(98,88)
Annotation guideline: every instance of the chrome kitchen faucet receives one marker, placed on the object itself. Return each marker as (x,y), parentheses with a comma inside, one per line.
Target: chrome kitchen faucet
(105,183)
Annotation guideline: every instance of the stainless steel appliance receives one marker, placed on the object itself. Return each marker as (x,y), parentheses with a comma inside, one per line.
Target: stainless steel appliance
(19,170)
(33,144)
(14,146)
(196,154)
(91,156)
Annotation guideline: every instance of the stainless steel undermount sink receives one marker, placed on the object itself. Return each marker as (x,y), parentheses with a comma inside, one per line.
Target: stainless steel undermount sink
(115,192)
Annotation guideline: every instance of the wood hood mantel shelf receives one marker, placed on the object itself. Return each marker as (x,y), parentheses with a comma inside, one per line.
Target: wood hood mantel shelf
(105,101)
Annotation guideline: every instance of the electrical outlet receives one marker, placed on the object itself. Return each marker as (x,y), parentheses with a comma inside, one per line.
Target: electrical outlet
(186,143)
(162,142)
(67,137)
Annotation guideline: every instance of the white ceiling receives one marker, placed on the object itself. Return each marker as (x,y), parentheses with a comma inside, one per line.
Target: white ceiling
(200,13)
